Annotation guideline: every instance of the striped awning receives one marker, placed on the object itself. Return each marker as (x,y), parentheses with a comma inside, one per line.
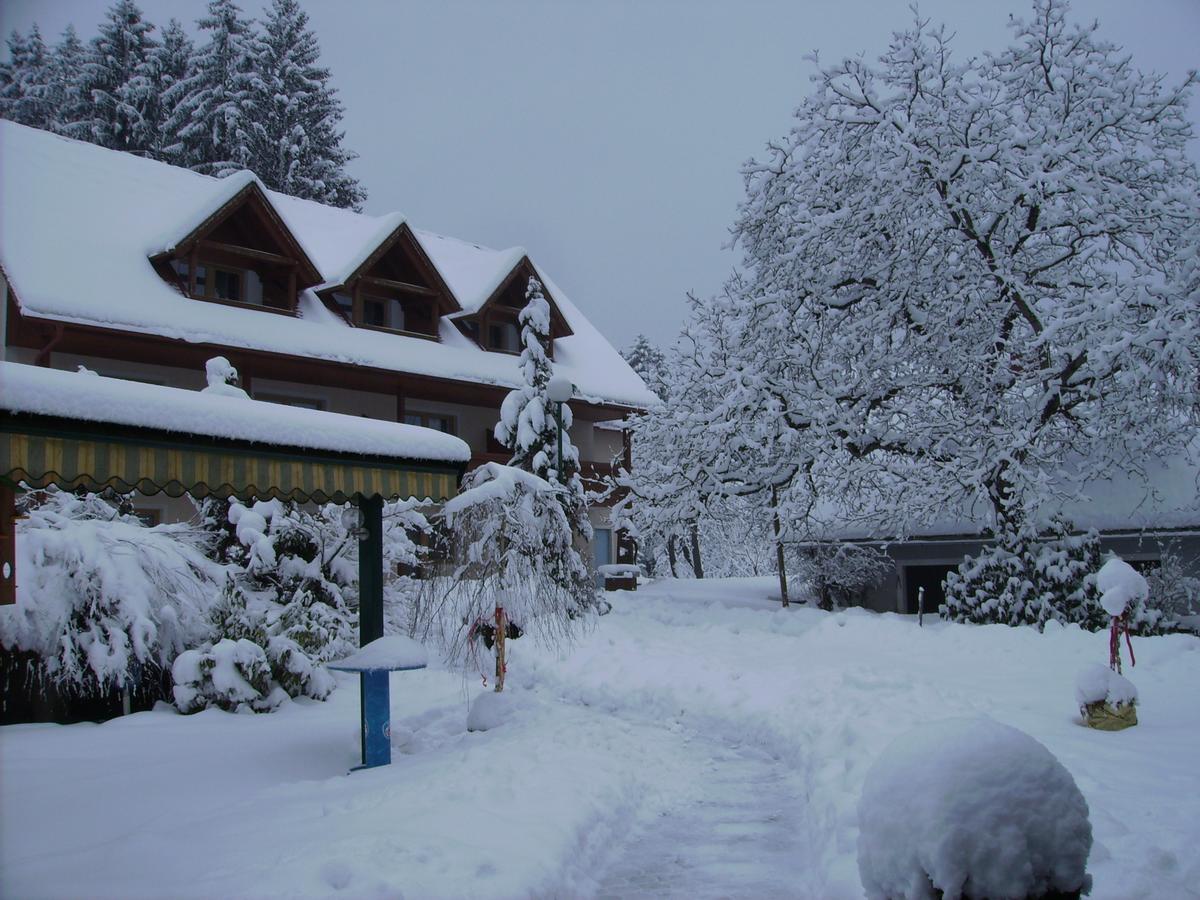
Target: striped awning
(38,454)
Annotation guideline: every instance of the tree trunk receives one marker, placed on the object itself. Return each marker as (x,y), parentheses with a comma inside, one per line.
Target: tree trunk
(501,627)
(671,555)
(697,565)
(779,558)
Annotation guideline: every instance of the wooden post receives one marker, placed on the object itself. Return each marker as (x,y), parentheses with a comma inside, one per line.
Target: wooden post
(921,606)
(779,557)
(501,625)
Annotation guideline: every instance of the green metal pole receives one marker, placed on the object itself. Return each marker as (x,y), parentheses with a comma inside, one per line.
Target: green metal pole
(562,475)
(370,571)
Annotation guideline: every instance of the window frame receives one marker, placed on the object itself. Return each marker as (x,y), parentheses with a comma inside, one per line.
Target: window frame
(424,416)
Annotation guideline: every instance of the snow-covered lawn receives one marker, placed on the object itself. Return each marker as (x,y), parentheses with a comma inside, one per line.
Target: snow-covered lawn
(701,741)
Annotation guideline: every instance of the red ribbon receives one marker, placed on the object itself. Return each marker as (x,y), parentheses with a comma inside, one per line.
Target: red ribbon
(1119,624)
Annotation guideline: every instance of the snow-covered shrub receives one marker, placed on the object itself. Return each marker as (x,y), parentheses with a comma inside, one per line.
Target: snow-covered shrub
(1027,579)
(971,808)
(1175,583)
(839,574)
(230,675)
(405,563)
(292,594)
(512,546)
(104,600)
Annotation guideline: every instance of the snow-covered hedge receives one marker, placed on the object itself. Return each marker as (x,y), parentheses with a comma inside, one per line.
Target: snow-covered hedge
(1027,579)
(104,600)
(971,808)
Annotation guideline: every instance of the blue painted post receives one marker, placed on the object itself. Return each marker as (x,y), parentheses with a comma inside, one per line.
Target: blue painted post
(375,699)
(376,719)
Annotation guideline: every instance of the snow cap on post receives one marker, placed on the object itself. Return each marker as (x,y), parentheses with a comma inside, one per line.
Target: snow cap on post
(559,389)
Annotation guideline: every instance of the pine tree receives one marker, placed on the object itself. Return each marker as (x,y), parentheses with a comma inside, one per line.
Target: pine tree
(25,80)
(117,78)
(68,104)
(528,423)
(171,65)
(295,144)
(212,122)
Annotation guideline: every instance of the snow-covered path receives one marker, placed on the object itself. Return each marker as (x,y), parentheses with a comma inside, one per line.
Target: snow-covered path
(734,834)
(699,742)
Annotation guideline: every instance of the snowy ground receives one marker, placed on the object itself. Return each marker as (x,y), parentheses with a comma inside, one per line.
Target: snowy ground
(701,742)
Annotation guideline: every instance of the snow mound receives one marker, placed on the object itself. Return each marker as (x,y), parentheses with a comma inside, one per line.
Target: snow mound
(489,710)
(392,651)
(1120,585)
(1100,684)
(971,806)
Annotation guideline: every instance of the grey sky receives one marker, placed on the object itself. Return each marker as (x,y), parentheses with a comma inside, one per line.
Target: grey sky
(604,137)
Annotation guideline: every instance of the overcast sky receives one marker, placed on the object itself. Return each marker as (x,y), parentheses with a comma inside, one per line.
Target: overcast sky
(604,137)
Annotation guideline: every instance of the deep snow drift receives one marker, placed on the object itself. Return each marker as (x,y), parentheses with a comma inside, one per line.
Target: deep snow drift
(700,741)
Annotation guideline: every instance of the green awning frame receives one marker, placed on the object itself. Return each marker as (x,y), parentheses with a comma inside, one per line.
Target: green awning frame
(40,451)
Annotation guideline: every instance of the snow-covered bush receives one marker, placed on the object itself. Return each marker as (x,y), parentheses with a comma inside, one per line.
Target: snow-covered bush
(512,546)
(971,808)
(291,593)
(1027,579)
(840,573)
(104,600)
(1175,583)
(230,675)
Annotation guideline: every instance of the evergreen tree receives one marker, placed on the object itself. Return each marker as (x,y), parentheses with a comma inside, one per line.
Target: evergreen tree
(650,364)
(171,65)
(68,104)
(295,143)
(528,424)
(118,79)
(212,122)
(25,81)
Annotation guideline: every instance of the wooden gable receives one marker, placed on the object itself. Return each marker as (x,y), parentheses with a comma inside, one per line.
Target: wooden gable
(241,254)
(492,326)
(396,288)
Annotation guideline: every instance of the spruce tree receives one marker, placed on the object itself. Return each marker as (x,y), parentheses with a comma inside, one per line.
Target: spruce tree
(117,79)
(68,104)
(528,424)
(212,121)
(295,143)
(649,363)
(25,81)
(171,65)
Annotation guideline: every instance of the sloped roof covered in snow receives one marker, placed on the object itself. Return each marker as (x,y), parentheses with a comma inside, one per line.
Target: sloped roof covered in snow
(79,223)
(89,397)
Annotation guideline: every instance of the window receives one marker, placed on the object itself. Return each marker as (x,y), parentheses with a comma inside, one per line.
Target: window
(383,312)
(436,421)
(218,282)
(149,516)
(288,400)
(504,336)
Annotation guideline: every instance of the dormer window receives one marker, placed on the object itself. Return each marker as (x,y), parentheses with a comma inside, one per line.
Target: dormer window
(241,255)
(395,289)
(504,336)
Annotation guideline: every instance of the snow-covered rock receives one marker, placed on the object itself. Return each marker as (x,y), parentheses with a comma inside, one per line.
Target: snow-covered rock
(489,710)
(971,807)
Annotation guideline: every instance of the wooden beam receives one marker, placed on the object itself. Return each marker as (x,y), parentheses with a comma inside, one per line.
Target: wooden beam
(249,253)
(398,285)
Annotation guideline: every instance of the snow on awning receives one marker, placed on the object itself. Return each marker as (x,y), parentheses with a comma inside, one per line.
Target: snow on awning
(83,430)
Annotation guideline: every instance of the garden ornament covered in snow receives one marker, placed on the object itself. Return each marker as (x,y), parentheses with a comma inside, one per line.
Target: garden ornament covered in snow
(222,378)
(1107,699)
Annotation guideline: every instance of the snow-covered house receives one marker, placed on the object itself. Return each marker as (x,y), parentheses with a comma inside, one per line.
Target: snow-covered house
(1138,516)
(143,271)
